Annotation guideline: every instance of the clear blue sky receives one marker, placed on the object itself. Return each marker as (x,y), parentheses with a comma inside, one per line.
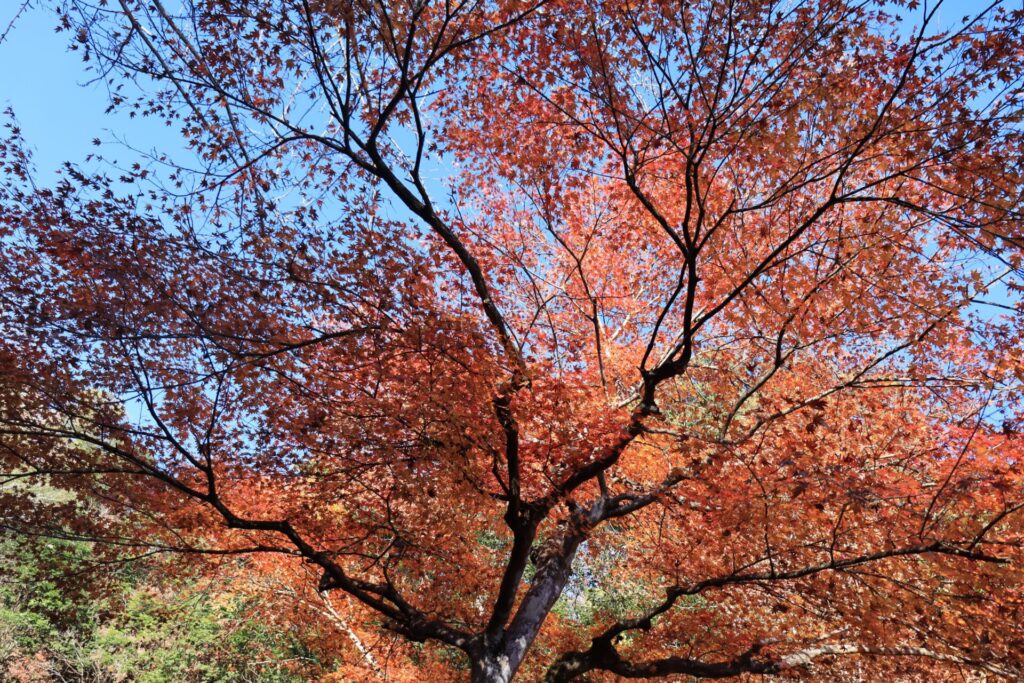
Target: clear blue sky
(45,84)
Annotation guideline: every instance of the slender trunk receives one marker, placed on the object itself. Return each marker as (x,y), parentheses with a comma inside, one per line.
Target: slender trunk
(342,624)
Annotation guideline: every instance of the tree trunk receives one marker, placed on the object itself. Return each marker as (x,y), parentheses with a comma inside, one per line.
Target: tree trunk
(554,566)
(491,669)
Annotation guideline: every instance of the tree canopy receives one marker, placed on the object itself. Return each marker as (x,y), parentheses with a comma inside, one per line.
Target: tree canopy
(548,339)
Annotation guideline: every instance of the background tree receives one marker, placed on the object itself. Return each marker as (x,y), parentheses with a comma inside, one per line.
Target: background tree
(137,621)
(477,307)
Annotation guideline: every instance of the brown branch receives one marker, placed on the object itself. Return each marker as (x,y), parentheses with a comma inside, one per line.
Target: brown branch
(602,654)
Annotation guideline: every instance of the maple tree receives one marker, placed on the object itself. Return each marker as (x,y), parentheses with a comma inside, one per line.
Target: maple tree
(571,339)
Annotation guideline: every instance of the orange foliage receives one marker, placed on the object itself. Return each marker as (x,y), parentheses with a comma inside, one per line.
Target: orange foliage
(544,341)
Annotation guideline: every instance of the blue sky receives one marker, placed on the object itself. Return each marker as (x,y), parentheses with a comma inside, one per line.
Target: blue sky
(61,112)
(58,111)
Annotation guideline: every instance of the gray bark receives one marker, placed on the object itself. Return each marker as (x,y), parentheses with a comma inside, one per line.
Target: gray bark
(499,663)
